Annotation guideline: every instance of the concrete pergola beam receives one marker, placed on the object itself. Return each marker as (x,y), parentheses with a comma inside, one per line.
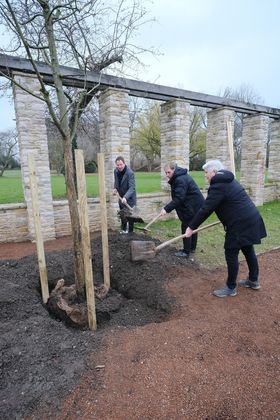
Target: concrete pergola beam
(77,78)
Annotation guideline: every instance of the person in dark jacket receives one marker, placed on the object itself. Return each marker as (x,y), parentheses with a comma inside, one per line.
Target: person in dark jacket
(124,184)
(242,222)
(186,200)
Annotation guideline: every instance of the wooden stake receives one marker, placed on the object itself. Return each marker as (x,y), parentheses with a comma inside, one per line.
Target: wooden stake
(230,146)
(38,230)
(104,221)
(83,210)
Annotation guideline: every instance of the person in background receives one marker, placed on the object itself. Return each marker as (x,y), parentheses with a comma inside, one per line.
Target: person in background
(242,222)
(124,184)
(186,200)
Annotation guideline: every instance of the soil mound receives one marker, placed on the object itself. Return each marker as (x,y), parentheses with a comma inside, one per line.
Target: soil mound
(40,355)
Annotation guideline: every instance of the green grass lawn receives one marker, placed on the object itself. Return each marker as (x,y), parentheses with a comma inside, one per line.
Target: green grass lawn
(11,185)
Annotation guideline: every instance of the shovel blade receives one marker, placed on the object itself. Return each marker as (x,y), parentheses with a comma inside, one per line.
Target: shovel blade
(134,216)
(142,250)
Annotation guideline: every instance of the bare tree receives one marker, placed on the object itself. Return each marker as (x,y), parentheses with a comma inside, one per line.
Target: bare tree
(8,149)
(244,93)
(197,134)
(146,134)
(136,106)
(88,34)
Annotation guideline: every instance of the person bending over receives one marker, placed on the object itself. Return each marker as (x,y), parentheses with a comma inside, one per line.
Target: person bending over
(186,200)
(242,222)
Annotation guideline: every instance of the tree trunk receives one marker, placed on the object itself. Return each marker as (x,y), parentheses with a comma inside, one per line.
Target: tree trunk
(68,157)
(74,216)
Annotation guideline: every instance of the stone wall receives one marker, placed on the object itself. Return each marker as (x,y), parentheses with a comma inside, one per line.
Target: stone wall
(14,218)
(14,226)
(13,223)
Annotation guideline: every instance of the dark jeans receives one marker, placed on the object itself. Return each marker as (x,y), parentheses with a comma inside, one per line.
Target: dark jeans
(189,244)
(231,256)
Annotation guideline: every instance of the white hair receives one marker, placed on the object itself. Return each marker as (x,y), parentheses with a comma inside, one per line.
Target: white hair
(213,165)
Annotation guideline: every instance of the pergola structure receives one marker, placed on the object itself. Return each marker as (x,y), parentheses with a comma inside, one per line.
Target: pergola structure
(113,99)
(74,77)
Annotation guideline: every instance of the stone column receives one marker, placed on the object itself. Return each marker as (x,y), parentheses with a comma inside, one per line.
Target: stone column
(174,135)
(274,152)
(217,145)
(114,136)
(32,134)
(253,156)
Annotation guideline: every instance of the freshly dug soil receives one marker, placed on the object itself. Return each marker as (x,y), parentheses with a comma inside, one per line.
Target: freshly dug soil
(165,347)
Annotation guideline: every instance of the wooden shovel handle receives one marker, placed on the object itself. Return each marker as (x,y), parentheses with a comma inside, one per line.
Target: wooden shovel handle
(164,244)
(152,221)
(126,204)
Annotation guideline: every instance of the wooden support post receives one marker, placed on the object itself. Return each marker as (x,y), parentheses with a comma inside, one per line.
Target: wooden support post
(104,221)
(83,210)
(230,146)
(38,230)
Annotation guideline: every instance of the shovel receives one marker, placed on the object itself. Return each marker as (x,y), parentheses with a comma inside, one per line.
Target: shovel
(145,228)
(145,250)
(133,212)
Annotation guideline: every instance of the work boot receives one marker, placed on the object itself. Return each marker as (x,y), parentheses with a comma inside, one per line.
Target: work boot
(181,253)
(225,291)
(255,285)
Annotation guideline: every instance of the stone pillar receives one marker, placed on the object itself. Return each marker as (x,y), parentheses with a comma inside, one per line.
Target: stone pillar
(32,134)
(217,145)
(274,152)
(114,136)
(253,156)
(174,135)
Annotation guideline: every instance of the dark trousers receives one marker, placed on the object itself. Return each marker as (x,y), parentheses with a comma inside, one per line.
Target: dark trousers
(124,223)
(231,256)
(189,244)
(124,220)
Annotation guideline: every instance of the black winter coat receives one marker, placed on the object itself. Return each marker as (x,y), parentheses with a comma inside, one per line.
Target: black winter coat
(186,195)
(126,188)
(228,199)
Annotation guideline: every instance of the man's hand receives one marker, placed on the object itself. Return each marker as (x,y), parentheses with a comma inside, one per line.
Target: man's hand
(162,212)
(188,232)
(124,201)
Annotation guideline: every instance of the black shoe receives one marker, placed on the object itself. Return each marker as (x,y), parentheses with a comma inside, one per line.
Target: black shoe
(181,253)
(251,284)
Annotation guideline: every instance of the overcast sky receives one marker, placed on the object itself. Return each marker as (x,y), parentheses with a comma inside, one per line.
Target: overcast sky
(208,45)
(212,44)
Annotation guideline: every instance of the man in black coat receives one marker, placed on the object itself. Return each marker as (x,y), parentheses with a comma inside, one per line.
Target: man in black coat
(124,184)
(186,200)
(242,222)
